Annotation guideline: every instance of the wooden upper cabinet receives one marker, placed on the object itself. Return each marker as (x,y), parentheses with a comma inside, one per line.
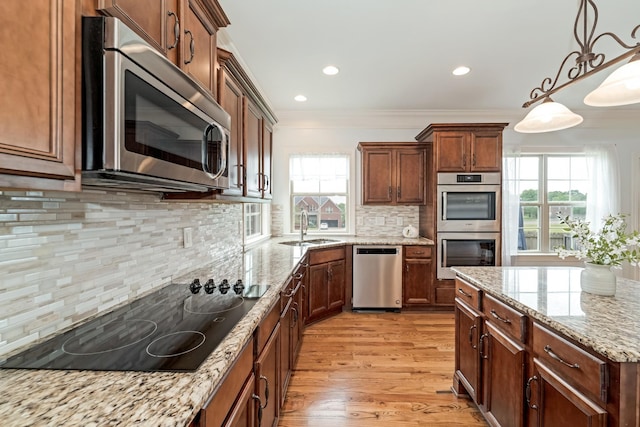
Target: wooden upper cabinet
(266,167)
(393,173)
(158,22)
(465,147)
(39,83)
(230,97)
(252,137)
(199,45)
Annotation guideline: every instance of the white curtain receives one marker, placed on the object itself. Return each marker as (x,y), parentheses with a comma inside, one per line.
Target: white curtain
(603,194)
(510,203)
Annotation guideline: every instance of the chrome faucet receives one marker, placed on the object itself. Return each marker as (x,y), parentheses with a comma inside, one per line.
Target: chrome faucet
(304,223)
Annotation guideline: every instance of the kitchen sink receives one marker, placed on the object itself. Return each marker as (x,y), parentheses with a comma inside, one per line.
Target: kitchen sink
(310,242)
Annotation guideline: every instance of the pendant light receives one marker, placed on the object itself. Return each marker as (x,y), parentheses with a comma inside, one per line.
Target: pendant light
(547,117)
(622,87)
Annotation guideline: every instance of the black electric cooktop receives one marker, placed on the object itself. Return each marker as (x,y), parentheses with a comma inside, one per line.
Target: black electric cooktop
(172,329)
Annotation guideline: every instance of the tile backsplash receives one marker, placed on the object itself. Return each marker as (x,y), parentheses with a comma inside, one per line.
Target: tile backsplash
(66,257)
(384,220)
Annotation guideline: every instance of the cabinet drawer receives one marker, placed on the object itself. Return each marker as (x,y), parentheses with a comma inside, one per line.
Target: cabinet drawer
(417,251)
(505,317)
(468,293)
(574,365)
(264,329)
(320,256)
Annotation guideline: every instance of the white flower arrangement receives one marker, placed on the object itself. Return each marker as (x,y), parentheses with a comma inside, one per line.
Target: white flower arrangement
(609,246)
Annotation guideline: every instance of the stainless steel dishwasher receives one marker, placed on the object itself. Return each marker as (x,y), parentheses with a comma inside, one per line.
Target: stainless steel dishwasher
(377,277)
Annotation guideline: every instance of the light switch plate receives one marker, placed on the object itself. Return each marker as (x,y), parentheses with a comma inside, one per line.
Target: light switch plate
(187,237)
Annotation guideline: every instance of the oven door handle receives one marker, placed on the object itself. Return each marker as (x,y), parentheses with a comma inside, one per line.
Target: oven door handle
(444,206)
(444,253)
(205,151)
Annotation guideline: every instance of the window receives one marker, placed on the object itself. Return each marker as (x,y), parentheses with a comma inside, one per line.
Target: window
(256,222)
(548,185)
(319,184)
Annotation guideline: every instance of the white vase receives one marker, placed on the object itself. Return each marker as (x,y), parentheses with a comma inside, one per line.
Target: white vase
(598,279)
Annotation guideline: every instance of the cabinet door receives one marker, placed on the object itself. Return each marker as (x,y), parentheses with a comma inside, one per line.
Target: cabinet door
(467,356)
(336,273)
(559,404)
(318,294)
(243,412)
(230,97)
(504,379)
(267,380)
(378,184)
(410,176)
(157,22)
(296,329)
(199,46)
(252,137)
(486,151)
(452,151)
(286,325)
(38,84)
(416,282)
(266,166)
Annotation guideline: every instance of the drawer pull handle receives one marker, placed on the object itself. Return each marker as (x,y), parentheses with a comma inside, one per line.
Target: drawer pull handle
(256,397)
(298,276)
(527,393)
(547,349)
(497,316)
(460,290)
(481,345)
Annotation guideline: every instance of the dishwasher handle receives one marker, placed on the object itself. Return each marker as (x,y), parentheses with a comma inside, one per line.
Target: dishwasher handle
(376,251)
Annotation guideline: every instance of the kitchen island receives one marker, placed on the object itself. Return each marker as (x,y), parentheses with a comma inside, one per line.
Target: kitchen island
(571,357)
(123,398)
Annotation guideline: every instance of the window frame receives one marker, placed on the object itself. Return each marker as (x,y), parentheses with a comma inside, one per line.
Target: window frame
(543,204)
(347,214)
(264,215)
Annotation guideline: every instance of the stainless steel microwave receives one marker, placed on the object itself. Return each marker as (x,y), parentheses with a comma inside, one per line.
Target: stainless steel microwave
(146,124)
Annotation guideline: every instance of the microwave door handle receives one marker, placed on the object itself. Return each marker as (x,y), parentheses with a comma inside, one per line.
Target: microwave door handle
(444,205)
(205,151)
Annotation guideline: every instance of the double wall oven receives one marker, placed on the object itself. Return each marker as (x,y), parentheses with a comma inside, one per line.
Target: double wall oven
(468,221)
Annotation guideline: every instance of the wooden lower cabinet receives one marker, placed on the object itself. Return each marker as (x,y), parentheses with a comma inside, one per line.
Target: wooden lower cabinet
(504,367)
(467,377)
(267,371)
(416,277)
(556,403)
(326,285)
(243,413)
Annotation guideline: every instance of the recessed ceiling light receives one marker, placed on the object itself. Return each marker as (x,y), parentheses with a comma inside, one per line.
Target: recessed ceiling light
(330,70)
(300,98)
(461,71)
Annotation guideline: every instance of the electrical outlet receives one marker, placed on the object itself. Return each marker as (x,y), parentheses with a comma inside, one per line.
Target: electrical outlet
(379,220)
(359,221)
(399,220)
(187,237)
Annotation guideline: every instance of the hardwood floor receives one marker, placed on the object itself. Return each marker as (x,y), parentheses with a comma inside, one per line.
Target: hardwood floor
(377,369)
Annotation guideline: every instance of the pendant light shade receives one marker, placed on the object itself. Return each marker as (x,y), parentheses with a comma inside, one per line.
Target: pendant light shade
(622,87)
(547,117)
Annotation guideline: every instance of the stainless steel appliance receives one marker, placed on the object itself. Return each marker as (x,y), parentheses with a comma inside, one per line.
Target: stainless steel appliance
(377,277)
(466,249)
(468,202)
(146,124)
(172,329)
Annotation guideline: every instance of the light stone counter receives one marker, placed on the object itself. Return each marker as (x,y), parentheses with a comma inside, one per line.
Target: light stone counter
(608,325)
(99,398)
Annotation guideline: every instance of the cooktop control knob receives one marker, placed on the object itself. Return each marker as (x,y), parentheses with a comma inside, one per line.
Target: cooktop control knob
(209,287)
(224,286)
(238,287)
(195,286)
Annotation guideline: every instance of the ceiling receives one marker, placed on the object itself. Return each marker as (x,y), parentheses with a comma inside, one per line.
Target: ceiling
(399,54)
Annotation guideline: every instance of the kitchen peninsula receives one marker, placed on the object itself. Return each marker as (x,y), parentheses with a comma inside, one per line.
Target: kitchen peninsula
(81,398)
(533,349)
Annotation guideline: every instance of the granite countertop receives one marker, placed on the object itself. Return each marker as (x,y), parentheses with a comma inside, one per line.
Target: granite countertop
(608,325)
(99,398)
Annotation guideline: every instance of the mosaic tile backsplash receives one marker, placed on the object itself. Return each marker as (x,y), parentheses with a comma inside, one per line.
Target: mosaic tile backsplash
(67,257)
(385,220)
